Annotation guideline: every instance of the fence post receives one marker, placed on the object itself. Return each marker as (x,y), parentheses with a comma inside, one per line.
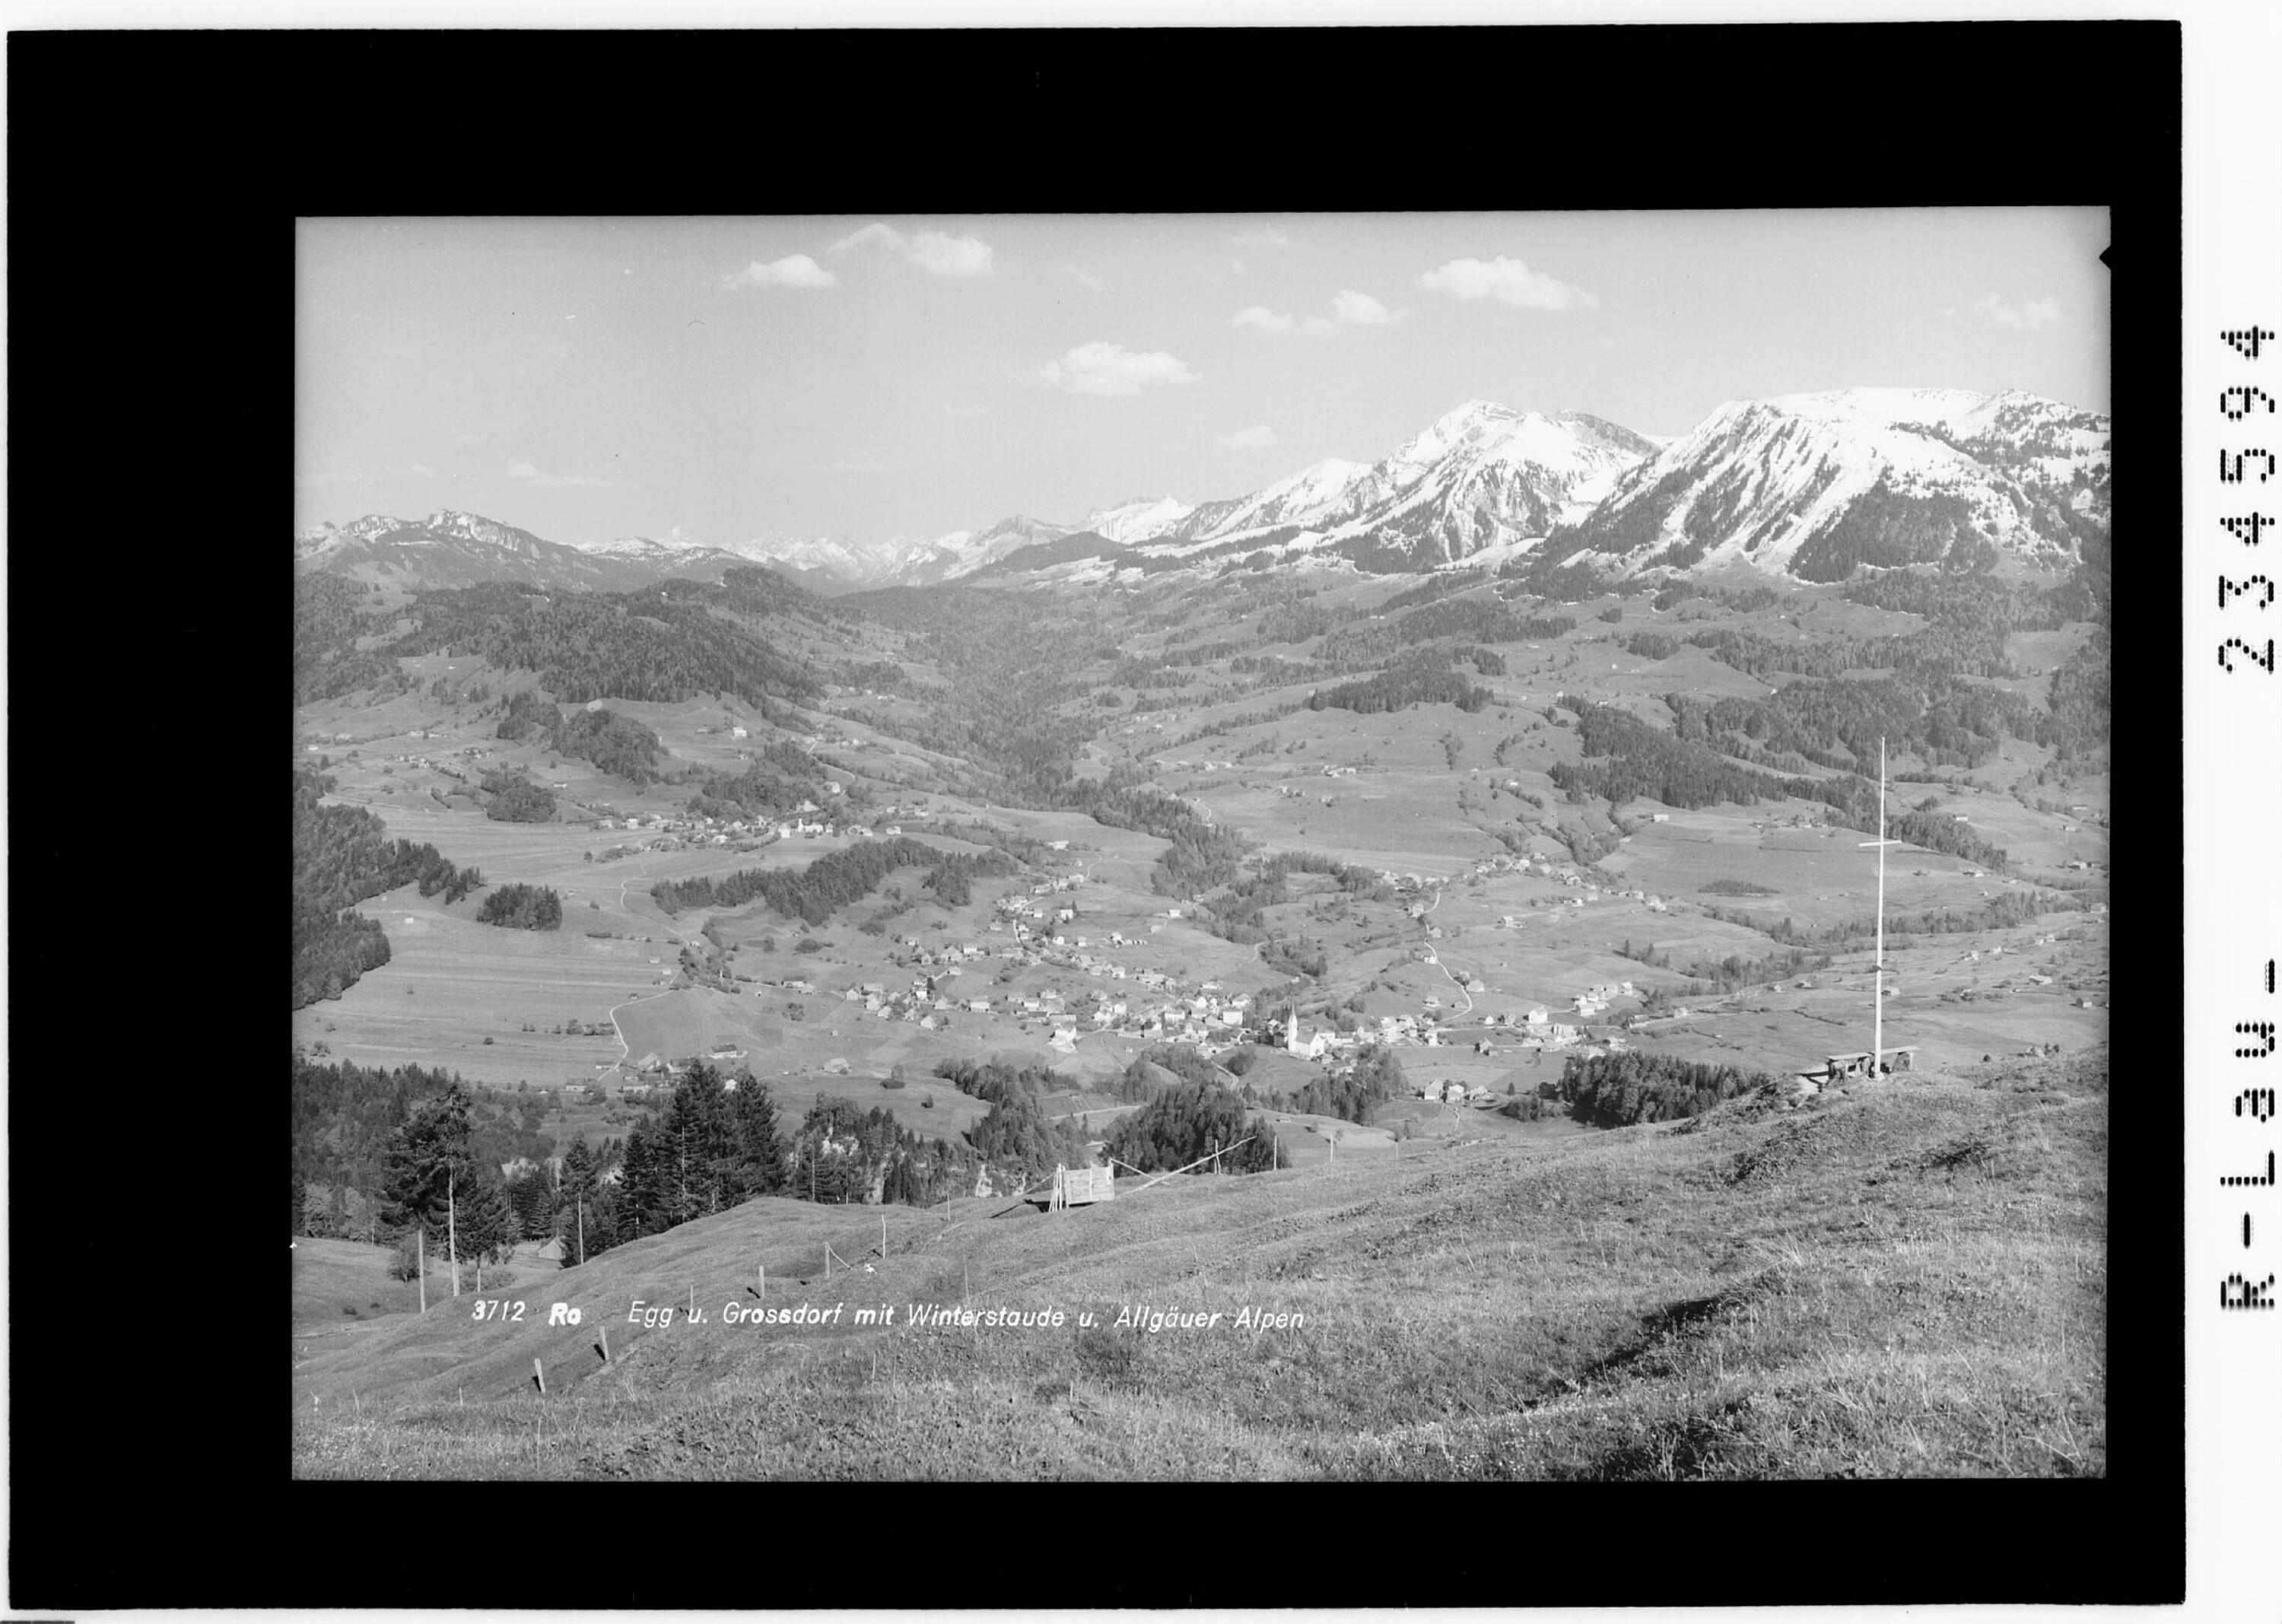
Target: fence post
(540,1371)
(606,1344)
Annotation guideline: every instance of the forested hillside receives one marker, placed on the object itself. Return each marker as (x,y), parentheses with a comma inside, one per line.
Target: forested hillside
(342,855)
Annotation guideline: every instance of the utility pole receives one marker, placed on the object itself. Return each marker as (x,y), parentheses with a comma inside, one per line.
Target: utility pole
(582,1228)
(452,1224)
(422,1243)
(1878,970)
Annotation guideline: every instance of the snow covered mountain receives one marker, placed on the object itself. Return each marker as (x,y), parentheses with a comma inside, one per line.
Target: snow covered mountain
(1814,486)
(963,552)
(1808,486)
(450,548)
(672,554)
(1481,476)
(1135,520)
(851,563)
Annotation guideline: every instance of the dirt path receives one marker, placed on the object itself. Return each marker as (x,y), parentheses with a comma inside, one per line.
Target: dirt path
(627,1049)
(1435,958)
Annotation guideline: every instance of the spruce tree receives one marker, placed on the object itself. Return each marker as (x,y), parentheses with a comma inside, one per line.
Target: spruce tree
(482,1221)
(301,1202)
(759,1149)
(645,1188)
(427,1165)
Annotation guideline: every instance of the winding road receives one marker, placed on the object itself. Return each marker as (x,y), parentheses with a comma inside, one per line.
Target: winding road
(1435,959)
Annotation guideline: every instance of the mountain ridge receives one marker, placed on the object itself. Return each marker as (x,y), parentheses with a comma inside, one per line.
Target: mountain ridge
(1804,486)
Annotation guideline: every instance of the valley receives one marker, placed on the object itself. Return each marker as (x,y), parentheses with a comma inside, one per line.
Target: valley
(1265,818)
(1410,846)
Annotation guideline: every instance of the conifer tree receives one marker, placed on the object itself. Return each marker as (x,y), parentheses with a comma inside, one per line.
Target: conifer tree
(426,1164)
(483,1221)
(753,1114)
(574,1200)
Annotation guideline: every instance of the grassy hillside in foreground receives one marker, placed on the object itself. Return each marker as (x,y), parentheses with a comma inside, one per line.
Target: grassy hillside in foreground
(1905,1278)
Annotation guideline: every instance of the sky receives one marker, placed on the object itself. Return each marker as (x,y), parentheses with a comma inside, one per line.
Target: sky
(728,380)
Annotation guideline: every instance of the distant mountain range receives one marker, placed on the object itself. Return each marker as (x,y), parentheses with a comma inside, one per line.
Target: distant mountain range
(448,548)
(1808,487)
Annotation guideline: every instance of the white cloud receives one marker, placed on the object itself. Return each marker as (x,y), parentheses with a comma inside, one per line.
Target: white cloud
(531,476)
(938,251)
(1362,310)
(1250,440)
(1084,279)
(1236,267)
(307,480)
(1259,237)
(2034,313)
(951,256)
(886,237)
(1510,282)
(1106,369)
(795,270)
(963,411)
(1349,309)
(467,439)
(424,471)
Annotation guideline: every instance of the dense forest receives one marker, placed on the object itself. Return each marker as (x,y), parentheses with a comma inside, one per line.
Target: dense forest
(1473,620)
(342,855)
(516,799)
(1886,528)
(833,882)
(2002,911)
(845,1153)
(716,1144)
(1193,1120)
(774,784)
(1018,1138)
(527,715)
(1012,666)
(1203,855)
(1616,1091)
(662,645)
(329,618)
(1425,679)
(618,745)
(522,907)
(344,1114)
(1626,758)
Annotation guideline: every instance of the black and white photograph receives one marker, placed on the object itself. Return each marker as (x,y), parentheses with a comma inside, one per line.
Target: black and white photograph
(1446,845)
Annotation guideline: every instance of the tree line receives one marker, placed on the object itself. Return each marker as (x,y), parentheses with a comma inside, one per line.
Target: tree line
(660,645)
(1189,1120)
(779,778)
(516,799)
(342,855)
(833,882)
(1419,680)
(1616,1091)
(522,907)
